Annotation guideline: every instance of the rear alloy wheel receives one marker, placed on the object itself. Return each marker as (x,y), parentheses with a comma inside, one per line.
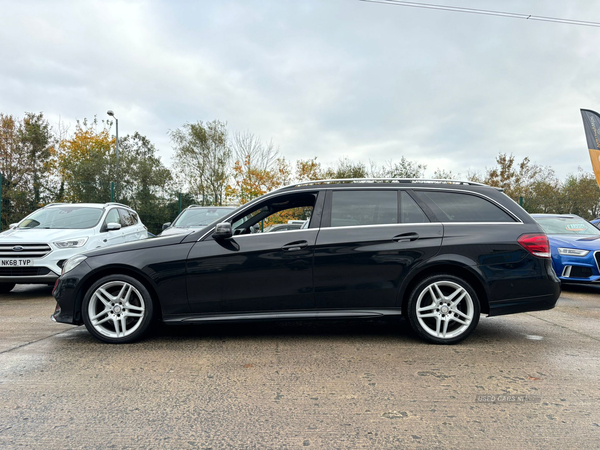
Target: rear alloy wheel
(117,309)
(443,309)
(5,288)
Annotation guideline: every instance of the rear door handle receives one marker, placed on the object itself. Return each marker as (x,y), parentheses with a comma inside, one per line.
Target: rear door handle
(293,246)
(406,237)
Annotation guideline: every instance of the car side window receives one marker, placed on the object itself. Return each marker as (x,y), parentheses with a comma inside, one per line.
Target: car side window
(410,212)
(459,207)
(112,217)
(353,208)
(127,218)
(269,216)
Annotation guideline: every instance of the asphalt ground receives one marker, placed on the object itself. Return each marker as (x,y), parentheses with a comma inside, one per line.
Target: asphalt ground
(524,381)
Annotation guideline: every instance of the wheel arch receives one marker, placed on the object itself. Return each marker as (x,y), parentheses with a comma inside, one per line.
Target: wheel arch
(116,270)
(456,268)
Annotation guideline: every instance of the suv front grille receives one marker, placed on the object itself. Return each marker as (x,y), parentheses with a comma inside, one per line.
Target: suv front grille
(24,250)
(23,271)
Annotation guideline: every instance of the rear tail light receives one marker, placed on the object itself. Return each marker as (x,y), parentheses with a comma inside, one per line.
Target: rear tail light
(536,243)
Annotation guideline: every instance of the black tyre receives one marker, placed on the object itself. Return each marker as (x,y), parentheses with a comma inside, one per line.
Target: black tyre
(443,309)
(117,309)
(5,288)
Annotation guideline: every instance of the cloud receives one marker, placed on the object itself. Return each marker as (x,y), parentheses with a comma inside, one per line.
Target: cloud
(327,79)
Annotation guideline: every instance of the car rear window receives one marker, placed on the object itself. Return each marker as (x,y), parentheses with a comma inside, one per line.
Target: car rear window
(459,207)
(353,208)
(128,218)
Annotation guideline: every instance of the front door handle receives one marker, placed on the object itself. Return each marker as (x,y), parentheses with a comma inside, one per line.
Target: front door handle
(293,246)
(406,237)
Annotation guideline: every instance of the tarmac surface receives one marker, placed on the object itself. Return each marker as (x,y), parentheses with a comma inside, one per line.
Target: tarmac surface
(523,381)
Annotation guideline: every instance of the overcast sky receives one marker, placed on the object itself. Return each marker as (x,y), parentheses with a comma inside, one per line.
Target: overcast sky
(325,78)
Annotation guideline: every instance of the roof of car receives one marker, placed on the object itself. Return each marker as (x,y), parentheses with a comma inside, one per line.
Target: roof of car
(211,207)
(385,182)
(570,216)
(88,205)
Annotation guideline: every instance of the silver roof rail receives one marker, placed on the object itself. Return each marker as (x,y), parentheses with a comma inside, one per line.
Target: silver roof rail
(388,180)
(116,204)
(56,203)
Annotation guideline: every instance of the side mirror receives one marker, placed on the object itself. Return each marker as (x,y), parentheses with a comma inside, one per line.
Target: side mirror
(12,225)
(113,226)
(166,225)
(223,231)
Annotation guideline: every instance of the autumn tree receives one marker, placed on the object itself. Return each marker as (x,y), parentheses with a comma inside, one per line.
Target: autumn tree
(258,169)
(203,157)
(309,170)
(86,164)
(515,178)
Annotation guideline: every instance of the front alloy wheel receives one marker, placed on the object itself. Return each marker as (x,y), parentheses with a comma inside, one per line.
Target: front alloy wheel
(117,309)
(443,309)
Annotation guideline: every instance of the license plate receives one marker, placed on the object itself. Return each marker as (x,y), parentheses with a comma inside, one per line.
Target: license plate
(15,262)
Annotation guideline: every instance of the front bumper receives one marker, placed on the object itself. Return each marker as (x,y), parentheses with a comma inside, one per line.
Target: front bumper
(577,269)
(68,296)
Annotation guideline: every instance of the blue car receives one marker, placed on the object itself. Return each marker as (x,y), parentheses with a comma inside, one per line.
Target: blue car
(574,246)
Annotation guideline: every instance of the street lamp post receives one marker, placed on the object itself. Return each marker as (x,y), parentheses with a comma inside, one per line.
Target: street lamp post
(112,114)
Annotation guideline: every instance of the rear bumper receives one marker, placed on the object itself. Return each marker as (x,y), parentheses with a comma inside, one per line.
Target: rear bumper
(519,305)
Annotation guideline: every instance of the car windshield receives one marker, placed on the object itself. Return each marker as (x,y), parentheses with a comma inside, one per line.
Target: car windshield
(566,225)
(63,217)
(200,217)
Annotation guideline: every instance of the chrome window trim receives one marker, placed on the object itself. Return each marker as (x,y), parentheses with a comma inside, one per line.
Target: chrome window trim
(379,225)
(250,204)
(318,188)
(428,188)
(275,232)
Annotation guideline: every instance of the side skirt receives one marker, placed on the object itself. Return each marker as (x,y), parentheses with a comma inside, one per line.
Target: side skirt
(283,315)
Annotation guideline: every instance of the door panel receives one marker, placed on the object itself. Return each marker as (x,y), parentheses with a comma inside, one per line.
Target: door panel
(362,267)
(253,273)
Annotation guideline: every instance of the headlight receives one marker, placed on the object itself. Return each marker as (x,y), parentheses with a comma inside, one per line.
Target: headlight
(572,252)
(72,263)
(73,243)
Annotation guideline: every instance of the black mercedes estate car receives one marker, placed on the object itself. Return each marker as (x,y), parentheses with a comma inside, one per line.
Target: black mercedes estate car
(438,252)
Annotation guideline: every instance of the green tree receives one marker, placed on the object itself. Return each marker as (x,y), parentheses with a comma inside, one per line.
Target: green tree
(203,157)
(401,169)
(146,183)
(581,195)
(24,157)
(346,168)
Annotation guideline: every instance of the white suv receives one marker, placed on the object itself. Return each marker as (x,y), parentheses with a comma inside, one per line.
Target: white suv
(34,250)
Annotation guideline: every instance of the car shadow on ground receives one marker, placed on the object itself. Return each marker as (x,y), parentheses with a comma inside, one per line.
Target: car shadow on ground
(291,328)
(581,288)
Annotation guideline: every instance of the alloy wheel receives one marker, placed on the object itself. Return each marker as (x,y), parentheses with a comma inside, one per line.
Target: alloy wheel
(444,309)
(116,309)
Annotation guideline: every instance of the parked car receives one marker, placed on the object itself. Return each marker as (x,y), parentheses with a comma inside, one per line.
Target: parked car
(574,244)
(285,226)
(596,222)
(439,253)
(193,218)
(34,250)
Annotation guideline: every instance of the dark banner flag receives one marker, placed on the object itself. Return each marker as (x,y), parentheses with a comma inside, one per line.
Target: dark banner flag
(591,124)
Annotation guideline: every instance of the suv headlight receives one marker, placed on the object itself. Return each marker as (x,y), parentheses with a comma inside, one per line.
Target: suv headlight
(73,243)
(572,252)
(72,263)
